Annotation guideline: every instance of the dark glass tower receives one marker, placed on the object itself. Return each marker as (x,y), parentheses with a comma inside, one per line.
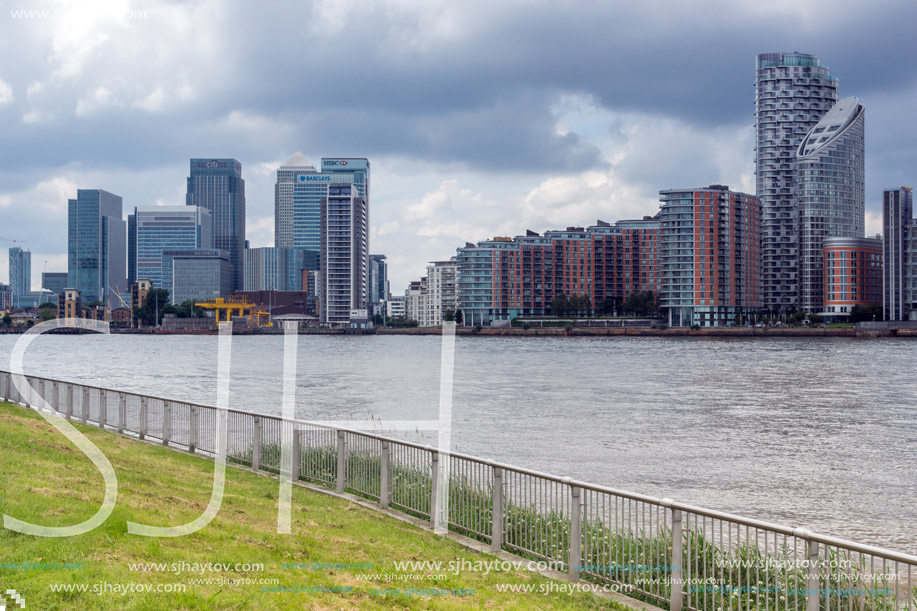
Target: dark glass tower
(96,245)
(217,185)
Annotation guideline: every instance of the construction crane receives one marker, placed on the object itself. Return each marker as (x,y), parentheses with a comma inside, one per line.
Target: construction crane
(235,306)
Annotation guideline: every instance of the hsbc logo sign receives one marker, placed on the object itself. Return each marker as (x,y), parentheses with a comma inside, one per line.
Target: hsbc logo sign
(334,162)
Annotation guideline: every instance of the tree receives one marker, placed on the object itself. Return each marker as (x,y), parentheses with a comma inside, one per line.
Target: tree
(459,317)
(7,320)
(866,313)
(378,320)
(560,306)
(606,307)
(642,303)
(449,315)
(815,319)
(47,314)
(47,305)
(156,300)
(796,318)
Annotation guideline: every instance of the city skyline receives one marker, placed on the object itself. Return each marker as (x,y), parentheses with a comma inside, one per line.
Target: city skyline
(530,139)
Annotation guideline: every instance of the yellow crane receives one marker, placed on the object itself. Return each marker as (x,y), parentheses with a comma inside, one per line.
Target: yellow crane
(235,306)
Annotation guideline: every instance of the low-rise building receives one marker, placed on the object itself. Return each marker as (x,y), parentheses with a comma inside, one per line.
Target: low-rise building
(853,275)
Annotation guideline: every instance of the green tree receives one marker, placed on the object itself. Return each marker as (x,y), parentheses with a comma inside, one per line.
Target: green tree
(459,317)
(815,319)
(560,306)
(47,314)
(796,318)
(7,320)
(641,303)
(449,315)
(866,313)
(47,305)
(156,299)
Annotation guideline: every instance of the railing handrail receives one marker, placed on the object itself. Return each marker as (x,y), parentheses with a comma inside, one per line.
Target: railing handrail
(798,532)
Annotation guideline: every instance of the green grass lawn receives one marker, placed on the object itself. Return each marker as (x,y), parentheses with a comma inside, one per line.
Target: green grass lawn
(45,480)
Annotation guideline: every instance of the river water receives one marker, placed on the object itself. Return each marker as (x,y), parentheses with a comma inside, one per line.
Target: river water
(814,432)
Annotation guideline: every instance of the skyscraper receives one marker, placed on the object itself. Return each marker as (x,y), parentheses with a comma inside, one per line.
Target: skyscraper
(153,229)
(20,271)
(298,193)
(344,253)
(898,229)
(96,245)
(217,185)
(792,92)
(378,279)
(831,193)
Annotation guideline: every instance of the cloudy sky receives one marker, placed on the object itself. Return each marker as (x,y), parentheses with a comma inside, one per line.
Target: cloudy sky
(480,118)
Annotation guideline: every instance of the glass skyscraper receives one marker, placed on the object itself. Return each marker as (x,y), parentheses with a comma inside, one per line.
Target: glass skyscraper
(298,194)
(831,193)
(96,245)
(196,274)
(217,185)
(792,93)
(20,271)
(898,229)
(153,229)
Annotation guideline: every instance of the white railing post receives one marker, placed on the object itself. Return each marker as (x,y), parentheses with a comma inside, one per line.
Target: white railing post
(296,466)
(812,582)
(256,443)
(166,422)
(69,401)
(676,563)
(342,462)
(575,559)
(122,412)
(85,406)
(143,418)
(496,529)
(193,429)
(434,488)
(385,486)
(103,409)
(55,396)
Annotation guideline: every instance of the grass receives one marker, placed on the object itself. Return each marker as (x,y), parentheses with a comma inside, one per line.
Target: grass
(45,480)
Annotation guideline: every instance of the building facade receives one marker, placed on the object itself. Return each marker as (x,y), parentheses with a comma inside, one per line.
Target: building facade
(505,278)
(20,271)
(197,274)
(96,245)
(344,254)
(55,282)
(831,193)
(217,185)
(438,294)
(378,279)
(792,93)
(276,269)
(853,274)
(6,297)
(153,229)
(898,233)
(394,307)
(710,258)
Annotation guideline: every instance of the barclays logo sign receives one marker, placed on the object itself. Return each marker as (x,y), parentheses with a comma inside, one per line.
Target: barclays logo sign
(306,177)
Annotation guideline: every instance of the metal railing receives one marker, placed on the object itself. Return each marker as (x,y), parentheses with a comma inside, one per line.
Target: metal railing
(670,553)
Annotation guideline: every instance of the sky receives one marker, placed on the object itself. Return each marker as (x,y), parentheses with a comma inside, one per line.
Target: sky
(479,118)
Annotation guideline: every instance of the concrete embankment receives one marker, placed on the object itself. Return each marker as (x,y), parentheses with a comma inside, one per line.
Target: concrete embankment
(649,332)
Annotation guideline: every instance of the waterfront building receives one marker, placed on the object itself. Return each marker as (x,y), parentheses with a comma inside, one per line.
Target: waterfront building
(96,244)
(378,279)
(20,269)
(217,185)
(394,307)
(70,304)
(197,274)
(438,294)
(710,258)
(344,254)
(33,299)
(831,193)
(55,282)
(413,299)
(899,231)
(792,93)
(505,278)
(853,275)
(6,297)
(140,288)
(153,229)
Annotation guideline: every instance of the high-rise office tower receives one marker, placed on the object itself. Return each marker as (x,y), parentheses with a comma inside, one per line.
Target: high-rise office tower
(378,279)
(284,197)
(153,229)
(20,271)
(898,227)
(354,170)
(344,253)
(55,282)
(792,93)
(96,245)
(831,193)
(217,185)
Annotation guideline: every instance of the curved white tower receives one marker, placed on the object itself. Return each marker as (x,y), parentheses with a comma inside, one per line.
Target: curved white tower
(831,191)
